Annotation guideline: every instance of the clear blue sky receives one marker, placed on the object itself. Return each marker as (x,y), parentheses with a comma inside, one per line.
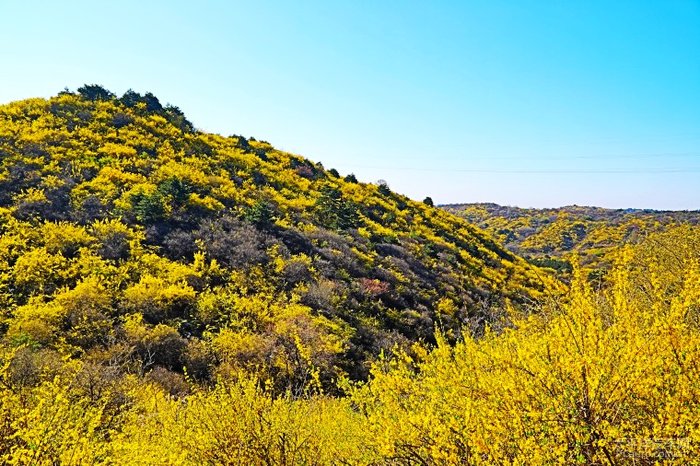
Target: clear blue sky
(529,103)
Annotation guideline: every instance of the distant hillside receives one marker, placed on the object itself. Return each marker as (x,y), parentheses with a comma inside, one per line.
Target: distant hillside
(131,240)
(550,237)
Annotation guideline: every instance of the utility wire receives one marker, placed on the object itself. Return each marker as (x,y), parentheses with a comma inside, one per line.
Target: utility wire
(530,159)
(535,171)
(600,157)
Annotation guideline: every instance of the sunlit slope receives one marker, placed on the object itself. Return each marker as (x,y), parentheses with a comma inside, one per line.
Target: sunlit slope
(129,236)
(553,237)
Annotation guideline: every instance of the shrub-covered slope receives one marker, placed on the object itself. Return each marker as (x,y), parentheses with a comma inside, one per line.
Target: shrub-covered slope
(600,376)
(552,237)
(135,242)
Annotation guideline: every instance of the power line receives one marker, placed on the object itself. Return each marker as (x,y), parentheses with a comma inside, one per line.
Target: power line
(535,171)
(601,157)
(634,156)
(530,159)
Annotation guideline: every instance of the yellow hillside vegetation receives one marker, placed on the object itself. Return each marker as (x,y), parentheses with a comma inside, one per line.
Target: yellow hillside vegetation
(605,376)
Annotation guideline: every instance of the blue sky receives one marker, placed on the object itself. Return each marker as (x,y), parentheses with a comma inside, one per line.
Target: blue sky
(528,103)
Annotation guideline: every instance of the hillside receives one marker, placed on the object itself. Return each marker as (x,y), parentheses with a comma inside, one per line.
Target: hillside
(169,296)
(552,237)
(135,242)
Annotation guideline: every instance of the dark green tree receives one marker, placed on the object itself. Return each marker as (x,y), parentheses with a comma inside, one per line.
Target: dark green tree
(177,118)
(177,189)
(383,187)
(334,212)
(131,98)
(262,214)
(95,92)
(152,103)
(148,208)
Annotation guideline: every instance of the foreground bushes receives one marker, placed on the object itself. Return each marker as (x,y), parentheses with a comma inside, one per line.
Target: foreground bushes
(59,422)
(239,424)
(603,376)
(598,379)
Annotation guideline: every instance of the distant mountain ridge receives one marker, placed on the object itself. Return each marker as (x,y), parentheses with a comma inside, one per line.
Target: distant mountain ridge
(593,212)
(551,237)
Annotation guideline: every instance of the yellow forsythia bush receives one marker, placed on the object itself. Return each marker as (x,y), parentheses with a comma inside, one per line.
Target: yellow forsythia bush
(600,378)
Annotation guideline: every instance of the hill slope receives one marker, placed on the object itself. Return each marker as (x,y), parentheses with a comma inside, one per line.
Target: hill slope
(551,237)
(133,241)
